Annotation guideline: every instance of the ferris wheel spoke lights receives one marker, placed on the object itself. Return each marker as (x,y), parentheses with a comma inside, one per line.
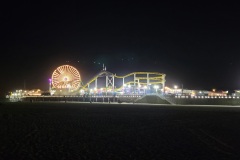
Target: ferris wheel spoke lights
(66,77)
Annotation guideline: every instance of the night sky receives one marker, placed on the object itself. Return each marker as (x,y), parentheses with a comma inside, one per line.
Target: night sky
(194,44)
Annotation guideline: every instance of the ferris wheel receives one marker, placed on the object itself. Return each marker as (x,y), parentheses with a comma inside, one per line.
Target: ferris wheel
(66,77)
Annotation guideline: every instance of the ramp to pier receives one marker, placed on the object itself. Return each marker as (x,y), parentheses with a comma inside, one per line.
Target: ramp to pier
(154,99)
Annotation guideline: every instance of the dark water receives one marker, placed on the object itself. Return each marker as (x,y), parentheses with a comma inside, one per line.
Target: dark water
(118,131)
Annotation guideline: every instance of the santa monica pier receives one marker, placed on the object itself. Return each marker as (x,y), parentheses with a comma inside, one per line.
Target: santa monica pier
(66,85)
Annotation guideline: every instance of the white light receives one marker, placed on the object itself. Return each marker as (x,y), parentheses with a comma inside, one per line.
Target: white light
(156,86)
(91,90)
(175,86)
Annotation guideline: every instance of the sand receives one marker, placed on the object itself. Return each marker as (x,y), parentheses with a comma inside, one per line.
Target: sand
(118,131)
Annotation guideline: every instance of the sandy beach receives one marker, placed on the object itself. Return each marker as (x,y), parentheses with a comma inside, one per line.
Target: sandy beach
(118,131)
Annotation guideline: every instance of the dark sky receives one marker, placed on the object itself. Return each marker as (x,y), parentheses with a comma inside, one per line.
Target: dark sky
(194,44)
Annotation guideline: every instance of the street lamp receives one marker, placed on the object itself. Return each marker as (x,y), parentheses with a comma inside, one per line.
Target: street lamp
(91,91)
(175,88)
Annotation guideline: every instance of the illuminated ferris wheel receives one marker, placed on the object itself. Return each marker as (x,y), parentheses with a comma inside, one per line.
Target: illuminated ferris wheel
(66,77)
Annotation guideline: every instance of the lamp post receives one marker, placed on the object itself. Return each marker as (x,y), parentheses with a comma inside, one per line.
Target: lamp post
(175,89)
(129,89)
(91,91)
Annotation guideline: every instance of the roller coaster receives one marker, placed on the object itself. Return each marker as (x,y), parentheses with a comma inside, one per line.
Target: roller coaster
(132,83)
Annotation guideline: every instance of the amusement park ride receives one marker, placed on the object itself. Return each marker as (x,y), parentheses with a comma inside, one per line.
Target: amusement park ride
(66,80)
(140,87)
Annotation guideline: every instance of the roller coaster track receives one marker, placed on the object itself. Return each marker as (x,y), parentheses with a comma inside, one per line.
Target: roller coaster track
(159,77)
(100,74)
(130,74)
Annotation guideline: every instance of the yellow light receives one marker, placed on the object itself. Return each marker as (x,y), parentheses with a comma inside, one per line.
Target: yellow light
(66,74)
